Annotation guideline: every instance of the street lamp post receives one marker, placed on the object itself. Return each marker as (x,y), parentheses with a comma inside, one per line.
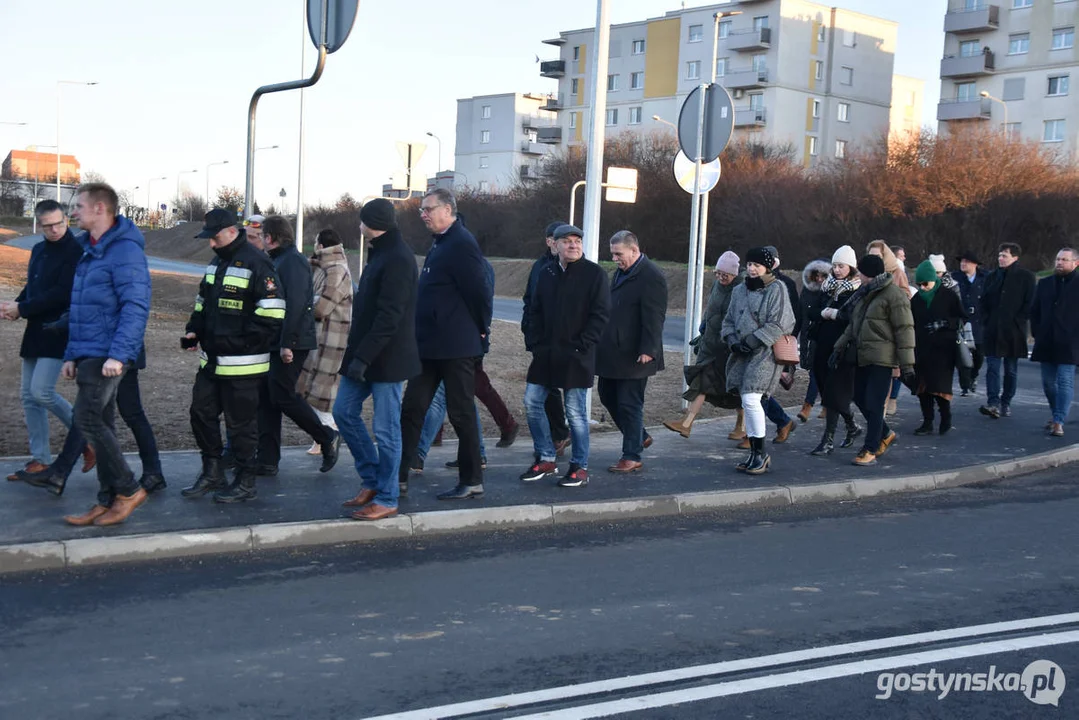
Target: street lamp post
(184,172)
(439,141)
(985,94)
(37,178)
(658,119)
(149,187)
(222,162)
(8,122)
(58,84)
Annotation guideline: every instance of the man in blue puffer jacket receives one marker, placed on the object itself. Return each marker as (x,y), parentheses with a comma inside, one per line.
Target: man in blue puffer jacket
(110,303)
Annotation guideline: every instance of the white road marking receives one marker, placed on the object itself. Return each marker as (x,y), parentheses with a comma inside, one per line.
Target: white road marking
(629,682)
(801,677)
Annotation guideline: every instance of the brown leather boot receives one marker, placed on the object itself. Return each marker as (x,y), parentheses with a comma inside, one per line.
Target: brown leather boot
(122,507)
(86,518)
(683,427)
(803,416)
(739,432)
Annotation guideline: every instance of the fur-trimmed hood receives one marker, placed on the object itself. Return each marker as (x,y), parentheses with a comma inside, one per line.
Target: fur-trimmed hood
(816,266)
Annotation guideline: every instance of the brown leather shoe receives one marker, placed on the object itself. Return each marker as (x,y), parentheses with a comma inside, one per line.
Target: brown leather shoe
(86,518)
(366,495)
(647,442)
(122,507)
(744,445)
(677,427)
(803,416)
(626,466)
(784,432)
(374,511)
(89,458)
(31,467)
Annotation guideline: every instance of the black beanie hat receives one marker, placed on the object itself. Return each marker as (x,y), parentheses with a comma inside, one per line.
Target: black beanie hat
(871,265)
(379,214)
(761,256)
(552,227)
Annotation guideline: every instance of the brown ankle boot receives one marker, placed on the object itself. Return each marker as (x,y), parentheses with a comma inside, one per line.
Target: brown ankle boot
(683,427)
(122,507)
(803,416)
(86,518)
(739,432)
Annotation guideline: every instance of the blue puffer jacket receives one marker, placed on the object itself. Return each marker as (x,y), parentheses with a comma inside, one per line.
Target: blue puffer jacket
(110,300)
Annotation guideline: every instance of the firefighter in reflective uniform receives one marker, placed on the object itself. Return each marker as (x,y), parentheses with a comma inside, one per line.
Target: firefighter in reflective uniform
(237,319)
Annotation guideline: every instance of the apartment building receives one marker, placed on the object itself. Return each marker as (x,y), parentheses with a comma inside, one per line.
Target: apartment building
(814,76)
(32,165)
(498,140)
(908,104)
(1009,65)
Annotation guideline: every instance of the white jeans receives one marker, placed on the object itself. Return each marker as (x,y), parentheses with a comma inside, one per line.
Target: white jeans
(756,424)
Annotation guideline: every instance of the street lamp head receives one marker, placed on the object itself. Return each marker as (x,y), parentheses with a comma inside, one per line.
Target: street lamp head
(726,14)
(431,134)
(984,93)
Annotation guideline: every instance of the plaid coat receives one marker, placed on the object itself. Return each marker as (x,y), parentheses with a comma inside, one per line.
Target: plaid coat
(333,313)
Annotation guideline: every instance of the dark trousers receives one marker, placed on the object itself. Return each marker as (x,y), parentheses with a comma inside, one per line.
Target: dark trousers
(238,400)
(872,384)
(459,376)
(490,398)
(555,409)
(624,400)
(279,397)
(968,376)
(94,420)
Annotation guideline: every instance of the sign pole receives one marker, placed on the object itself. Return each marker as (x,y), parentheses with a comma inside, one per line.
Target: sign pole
(694,232)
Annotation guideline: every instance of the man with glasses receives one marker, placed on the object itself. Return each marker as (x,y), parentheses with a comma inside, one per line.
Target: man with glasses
(253,230)
(453,312)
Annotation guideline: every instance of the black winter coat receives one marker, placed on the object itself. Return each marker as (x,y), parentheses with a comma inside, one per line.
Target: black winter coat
(566,318)
(533,276)
(298,287)
(383,330)
(453,303)
(1054,320)
(1005,310)
(47,295)
(971,292)
(638,309)
(796,303)
(936,328)
(836,384)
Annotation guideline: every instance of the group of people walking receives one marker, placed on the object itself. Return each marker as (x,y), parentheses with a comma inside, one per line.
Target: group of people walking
(280,334)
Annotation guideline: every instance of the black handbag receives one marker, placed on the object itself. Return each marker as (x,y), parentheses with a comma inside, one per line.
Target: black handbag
(964,358)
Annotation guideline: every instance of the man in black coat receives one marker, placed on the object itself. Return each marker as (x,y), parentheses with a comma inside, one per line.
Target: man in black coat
(1054,321)
(555,406)
(453,313)
(1005,307)
(631,348)
(569,309)
(971,281)
(44,299)
(381,355)
(298,338)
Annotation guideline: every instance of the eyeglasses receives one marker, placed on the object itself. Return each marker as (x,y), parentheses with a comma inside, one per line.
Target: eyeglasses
(49,226)
(252,223)
(430,209)
(924,284)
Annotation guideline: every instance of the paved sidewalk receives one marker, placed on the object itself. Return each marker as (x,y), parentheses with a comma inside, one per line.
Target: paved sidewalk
(680,475)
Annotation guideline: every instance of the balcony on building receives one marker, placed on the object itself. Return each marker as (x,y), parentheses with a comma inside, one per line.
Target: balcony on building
(532,148)
(962,109)
(549,135)
(555,102)
(745,79)
(969,17)
(984,63)
(750,40)
(529,172)
(750,117)
(557,42)
(553,68)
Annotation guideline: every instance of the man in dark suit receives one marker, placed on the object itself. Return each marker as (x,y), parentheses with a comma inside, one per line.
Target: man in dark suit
(631,349)
(971,281)
(1005,307)
(1054,322)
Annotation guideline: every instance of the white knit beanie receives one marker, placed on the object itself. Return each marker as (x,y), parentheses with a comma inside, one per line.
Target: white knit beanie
(938,263)
(846,256)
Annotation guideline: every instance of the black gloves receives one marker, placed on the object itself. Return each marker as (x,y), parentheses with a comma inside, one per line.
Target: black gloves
(356,370)
(909,378)
(835,358)
(752,342)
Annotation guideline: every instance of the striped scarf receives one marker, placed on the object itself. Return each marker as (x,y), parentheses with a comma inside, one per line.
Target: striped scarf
(835,288)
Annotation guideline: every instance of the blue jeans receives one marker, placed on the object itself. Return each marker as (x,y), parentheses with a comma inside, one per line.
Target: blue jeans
(39,398)
(540,427)
(776,413)
(993,395)
(432,423)
(1058,382)
(377,467)
(897,384)
(812,391)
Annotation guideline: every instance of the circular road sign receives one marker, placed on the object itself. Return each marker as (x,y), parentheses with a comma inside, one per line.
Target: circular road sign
(340,16)
(718,122)
(684,169)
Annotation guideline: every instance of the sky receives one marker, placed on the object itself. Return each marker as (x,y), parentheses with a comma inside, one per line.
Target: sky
(174,80)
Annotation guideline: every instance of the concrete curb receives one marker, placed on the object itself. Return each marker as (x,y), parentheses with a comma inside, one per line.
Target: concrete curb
(57,554)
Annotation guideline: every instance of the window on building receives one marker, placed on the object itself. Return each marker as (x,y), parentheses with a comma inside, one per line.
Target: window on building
(1054,131)
(967,91)
(760,62)
(612,83)
(635,114)
(696,33)
(760,22)
(1058,85)
(1063,38)
(485,112)
(636,81)
(573,84)
(721,66)
(693,70)
(485,186)
(812,146)
(576,52)
(1016,4)
(485,136)
(821,33)
(573,121)
(818,69)
(484,161)
(1019,44)
(612,116)
(970,48)
(1014,130)
(850,38)
(638,47)
(841,148)
(816,108)
(724,28)
(846,75)
(843,114)
(756,101)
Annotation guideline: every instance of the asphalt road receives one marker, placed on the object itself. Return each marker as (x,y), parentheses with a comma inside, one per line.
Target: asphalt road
(767,601)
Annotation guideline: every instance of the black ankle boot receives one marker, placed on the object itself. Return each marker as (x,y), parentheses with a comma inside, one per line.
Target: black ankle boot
(926,428)
(760,459)
(827,444)
(945,408)
(853,431)
(239,491)
(210,479)
(751,460)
